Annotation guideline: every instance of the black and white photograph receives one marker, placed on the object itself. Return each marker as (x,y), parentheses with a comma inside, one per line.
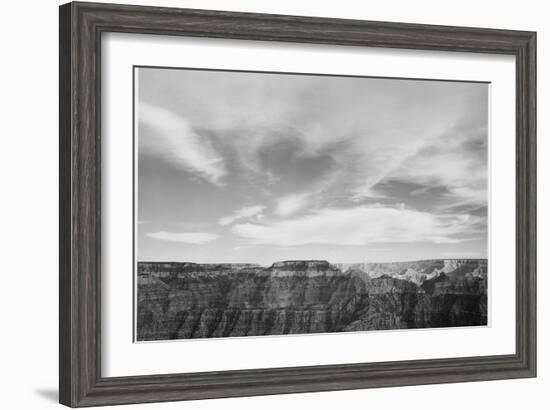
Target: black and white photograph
(282,203)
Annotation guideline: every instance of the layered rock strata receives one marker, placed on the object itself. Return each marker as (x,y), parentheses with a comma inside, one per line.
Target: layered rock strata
(188,300)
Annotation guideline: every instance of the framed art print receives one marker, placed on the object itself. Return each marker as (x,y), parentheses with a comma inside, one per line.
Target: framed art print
(355,198)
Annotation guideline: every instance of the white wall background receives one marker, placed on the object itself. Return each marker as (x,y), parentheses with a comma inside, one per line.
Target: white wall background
(28,210)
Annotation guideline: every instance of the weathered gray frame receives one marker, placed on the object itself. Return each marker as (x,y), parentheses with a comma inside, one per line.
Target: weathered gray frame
(81,26)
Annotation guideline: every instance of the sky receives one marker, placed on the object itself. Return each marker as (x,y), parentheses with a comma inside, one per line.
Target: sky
(262,167)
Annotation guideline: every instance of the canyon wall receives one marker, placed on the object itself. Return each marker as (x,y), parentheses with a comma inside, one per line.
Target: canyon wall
(188,300)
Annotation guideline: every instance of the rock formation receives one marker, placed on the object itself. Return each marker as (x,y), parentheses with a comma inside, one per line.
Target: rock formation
(188,300)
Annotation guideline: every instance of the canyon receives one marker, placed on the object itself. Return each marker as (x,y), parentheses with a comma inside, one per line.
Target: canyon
(183,300)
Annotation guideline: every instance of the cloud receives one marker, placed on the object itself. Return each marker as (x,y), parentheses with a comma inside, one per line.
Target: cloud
(290,204)
(180,144)
(310,146)
(456,161)
(196,238)
(370,128)
(362,225)
(243,213)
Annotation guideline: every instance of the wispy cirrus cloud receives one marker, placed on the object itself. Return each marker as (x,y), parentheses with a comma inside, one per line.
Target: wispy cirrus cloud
(359,123)
(290,204)
(243,213)
(180,143)
(457,161)
(196,238)
(362,225)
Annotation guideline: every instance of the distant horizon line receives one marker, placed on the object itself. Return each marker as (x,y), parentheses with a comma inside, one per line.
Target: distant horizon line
(308,260)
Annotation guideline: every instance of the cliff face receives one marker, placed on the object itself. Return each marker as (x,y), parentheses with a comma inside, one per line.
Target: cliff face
(419,271)
(185,300)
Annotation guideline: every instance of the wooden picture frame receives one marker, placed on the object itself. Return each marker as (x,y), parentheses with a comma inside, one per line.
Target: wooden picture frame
(81,27)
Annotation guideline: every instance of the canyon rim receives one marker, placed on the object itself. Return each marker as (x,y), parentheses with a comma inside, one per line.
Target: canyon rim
(282,203)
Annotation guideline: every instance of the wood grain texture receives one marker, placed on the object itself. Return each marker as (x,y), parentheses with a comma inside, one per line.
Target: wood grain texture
(81,26)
